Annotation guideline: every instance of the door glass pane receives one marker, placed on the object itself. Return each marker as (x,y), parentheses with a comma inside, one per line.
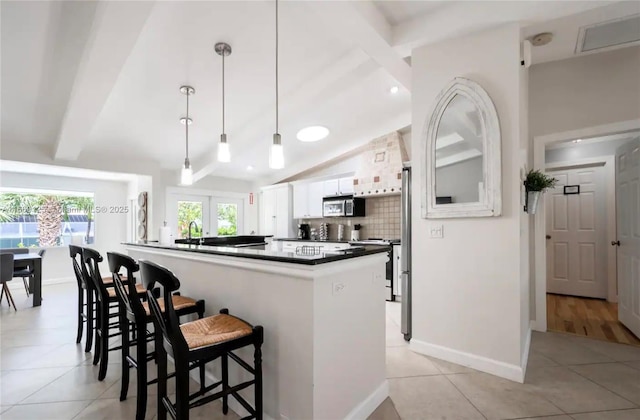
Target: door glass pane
(189,211)
(227,219)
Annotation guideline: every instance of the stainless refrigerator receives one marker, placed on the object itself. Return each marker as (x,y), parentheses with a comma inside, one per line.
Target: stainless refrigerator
(405,258)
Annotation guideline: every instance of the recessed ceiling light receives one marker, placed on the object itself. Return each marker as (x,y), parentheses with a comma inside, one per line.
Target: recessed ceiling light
(394,90)
(313,133)
(577,140)
(249,168)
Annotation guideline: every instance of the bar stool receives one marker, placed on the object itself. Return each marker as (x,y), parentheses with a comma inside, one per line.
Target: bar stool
(133,310)
(200,342)
(105,298)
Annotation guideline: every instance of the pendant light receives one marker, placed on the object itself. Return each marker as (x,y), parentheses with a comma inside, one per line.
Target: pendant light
(224,154)
(276,155)
(186,175)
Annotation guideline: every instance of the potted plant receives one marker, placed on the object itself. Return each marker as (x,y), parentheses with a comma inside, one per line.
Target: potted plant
(535,184)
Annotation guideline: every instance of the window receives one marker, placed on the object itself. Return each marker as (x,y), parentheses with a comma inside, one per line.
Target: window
(43,219)
(189,211)
(227,219)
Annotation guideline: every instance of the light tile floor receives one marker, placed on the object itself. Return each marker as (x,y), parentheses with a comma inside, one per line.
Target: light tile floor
(44,375)
(568,377)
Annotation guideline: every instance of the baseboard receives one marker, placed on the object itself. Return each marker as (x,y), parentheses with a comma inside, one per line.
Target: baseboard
(484,364)
(525,354)
(537,325)
(233,404)
(369,405)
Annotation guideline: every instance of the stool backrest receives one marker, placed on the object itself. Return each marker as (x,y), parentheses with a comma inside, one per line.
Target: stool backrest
(6,267)
(92,259)
(127,295)
(168,322)
(79,267)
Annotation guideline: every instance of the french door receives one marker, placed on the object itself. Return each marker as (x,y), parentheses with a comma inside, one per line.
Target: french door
(214,216)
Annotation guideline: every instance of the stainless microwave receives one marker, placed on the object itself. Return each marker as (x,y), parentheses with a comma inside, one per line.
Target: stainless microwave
(346,206)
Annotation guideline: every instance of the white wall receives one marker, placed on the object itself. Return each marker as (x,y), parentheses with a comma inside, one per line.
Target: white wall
(460,180)
(110,228)
(584,151)
(470,293)
(585,91)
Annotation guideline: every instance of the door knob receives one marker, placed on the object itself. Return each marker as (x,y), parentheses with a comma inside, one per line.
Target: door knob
(548,236)
(615,243)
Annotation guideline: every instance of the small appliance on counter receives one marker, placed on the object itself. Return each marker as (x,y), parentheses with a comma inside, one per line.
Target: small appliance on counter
(304,231)
(340,232)
(323,234)
(355,232)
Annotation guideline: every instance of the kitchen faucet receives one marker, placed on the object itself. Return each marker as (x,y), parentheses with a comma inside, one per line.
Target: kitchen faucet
(193,222)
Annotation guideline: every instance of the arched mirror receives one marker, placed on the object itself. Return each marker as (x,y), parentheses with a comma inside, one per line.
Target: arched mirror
(462,156)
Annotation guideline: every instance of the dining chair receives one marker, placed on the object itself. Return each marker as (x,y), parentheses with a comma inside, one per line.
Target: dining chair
(6,275)
(25,271)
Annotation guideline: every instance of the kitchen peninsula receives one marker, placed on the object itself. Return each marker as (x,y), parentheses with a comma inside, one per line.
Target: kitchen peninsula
(323,317)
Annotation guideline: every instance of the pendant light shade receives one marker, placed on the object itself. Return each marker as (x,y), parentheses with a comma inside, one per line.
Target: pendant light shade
(276,154)
(224,153)
(186,174)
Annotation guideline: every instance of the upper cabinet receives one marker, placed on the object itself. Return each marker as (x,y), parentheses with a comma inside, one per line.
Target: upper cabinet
(331,187)
(345,186)
(461,159)
(307,197)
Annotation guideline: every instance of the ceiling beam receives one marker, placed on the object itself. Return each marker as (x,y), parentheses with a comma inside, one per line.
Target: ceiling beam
(363,24)
(114,33)
(345,71)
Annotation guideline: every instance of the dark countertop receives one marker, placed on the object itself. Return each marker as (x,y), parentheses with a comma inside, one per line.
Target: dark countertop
(310,240)
(259,253)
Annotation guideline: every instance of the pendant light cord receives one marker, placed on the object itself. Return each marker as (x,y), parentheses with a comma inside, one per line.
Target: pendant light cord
(223,54)
(186,123)
(277,67)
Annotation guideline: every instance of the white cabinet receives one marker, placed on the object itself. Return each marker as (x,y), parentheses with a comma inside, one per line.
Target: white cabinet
(331,187)
(316,191)
(307,200)
(345,186)
(276,212)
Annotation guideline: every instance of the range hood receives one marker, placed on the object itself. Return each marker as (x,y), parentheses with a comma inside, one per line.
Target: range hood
(380,170)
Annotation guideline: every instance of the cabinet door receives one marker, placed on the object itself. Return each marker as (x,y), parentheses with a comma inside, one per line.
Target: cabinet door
(267,209)
(314,202)
(345,186)
(331,187)
(301,201)
(284,221)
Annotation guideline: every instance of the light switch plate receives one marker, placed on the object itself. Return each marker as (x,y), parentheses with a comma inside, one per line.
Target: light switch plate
(436,231)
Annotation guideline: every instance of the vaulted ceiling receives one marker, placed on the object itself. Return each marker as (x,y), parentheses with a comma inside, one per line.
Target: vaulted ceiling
(101,79)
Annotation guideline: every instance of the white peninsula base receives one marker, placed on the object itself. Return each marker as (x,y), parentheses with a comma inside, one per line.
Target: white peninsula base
(324,326)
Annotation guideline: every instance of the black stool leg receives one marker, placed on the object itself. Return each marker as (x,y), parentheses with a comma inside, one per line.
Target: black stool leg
(257,363)
(182,390)
(141,357)
(80,311)
(161,360)
(224,361)
(124,326)
(97,332)
(104,341)
(90,324)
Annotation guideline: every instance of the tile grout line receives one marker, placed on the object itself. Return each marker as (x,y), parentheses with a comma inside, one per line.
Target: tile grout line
(465,397)
(605,387)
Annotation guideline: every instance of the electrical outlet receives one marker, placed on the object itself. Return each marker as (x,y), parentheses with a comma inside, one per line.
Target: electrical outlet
(378,278)
(338,288)
(436,231)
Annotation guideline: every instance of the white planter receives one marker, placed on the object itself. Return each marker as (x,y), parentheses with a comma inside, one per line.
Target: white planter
(533,198)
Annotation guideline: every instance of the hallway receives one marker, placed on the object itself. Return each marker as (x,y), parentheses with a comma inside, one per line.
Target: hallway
(593,318)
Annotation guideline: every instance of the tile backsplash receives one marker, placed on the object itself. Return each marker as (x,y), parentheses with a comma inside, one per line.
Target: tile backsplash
(382,220)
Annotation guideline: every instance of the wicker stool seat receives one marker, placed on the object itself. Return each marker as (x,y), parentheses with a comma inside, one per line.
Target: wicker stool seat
(179,302)
(112,291)
(196,343)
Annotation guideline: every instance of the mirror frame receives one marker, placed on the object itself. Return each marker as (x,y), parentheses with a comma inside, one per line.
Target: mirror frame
(490,205)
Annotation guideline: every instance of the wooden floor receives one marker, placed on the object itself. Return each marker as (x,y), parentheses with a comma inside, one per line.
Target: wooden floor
(593,318)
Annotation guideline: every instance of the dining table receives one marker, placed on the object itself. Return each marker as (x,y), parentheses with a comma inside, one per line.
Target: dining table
(33,260)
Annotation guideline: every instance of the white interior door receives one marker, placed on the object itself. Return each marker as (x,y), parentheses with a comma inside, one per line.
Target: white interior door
(628,197)
(576,234)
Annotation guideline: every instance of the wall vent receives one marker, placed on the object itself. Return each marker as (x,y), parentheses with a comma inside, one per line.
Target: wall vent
(608,35)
